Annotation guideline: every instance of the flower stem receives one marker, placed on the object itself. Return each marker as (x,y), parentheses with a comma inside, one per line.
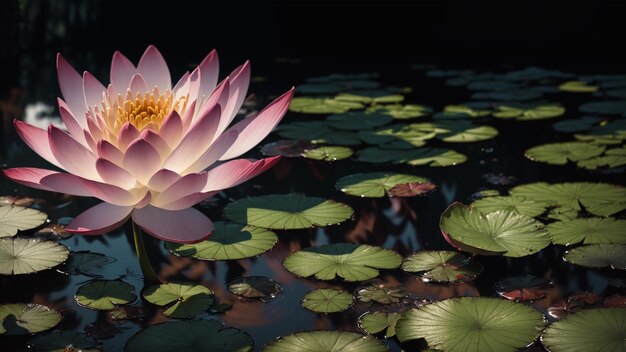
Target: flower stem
(142,255)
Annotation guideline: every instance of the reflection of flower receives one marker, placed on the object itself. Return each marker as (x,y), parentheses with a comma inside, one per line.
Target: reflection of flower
(142,146)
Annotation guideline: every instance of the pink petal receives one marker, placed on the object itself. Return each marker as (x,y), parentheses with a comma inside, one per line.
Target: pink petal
(127,134)
(73,156)
(114,194)
(73,127)
(142,160)
(157,142)
(214,152)
(93,90)
(187,201)
(122,71)
(182,87)
(194,86)
(48,180)
(239,82)
(162,179)
(254,129)
(172,129)
(71,84)
(37,140)
(111,173)
(188,184)
(108,151)
(209,72)
(99,219)
(138,84)
(93,129)
(154,70)
(181,226)
(218,97)
(90,143)
(235,172)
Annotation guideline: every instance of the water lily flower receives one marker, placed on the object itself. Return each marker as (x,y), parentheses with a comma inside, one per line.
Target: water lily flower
(150,151)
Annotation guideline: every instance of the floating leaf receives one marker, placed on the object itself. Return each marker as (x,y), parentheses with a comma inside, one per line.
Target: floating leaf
(515,204)
(349,261)
(401,112)
(412,189)
(190,335)
(500,232)
(87,263)
(523,288)
(287,148)
(307,105)
(180,300)
(26,318)
(442,266)
(25,256)
(105,294)
(463,132)
(375,184)
(604,107)
(472,324)
(588,231)
(529,113)
(317,132)
(413,135)
(126,312)
(460,111)
(578,87)
(375,322)
(327,341)
(615,300)
(582,124)
(228,241)
(62,341)
(287,211)
(328,153)
(509,95)
(255,288)
(358,120)
(600,329)
(21,201)
(598,256)
(561,153)
(610,161)
(434,157)
(381,294)
(327,300)
(14,218)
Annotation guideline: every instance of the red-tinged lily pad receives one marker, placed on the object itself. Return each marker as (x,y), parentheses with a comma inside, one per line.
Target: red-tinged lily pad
(20,201)
(287,148)
(412,189)
(616,300)
(523,288)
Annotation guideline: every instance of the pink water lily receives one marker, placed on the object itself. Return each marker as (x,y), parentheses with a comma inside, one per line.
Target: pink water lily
(149,150)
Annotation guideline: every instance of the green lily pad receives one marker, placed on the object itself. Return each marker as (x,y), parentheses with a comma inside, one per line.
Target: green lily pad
(358,120)
(604,107)
(402,112)
(190,335)
(561,153)
(609,161)
(578,87)
(516,204)
(26,318)
(29,255)
(327,300)
(352,262)
(328,153)
(307,105)
(599,329)
(317,132)
(287,211)
(598,256)
(509,95)
(375,322)
(597,198)
(371,97)
(15,218)
(472,324)
(105,294)
(463,132)
(412,189)
(562,214)
(529,113)
(442,266)
(326,341)
(228,242)
(588,231)
(62,341)
(375,184)
(381,294)
(584,123)
(500,232)
(460,111)
(413,134)
(180,300)
(87,263)
(258,288)
(435,157)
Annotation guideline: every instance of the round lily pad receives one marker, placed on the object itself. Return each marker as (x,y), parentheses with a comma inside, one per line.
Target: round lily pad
(327,300)
(375,184)
(402,112)
(578,87)
(14,218)
(599,329)
(327,341)
(317,132)
(180,300)
(375,322)
(442,266)
(472,324)
(411,135)
(26,318)
(435,157)
(577,125)
(561,153)
(105,294)
(529,113)
(29,255)
(328,153)
(86,263)
(62,341)
(604,161)
(358,120)
(381,294)
(412,189)
(523,288)
(463,132)
(287,148)
(190,335)
(500,232)
(259,288)
(615,107)
(598,256)
(588,231)
(228,242)
(516,204)
(287,211)
(352,262)
(308,105)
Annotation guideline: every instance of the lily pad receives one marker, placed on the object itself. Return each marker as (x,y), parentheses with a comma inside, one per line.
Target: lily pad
(87,263)
(228,242)
(588,231)
(327,300)
(500,232)
(523,288)
(180,300)
(26,318)
(258,288)
(463,132)
(578,87)
(62,341)
(604,107)
(375,184)
(287,148)
(515,204)
(414,134)
(381,294)
(412,189)
(105,294)
(326,341)
(190,335)
(606,161)
(599,329)
(358,120)
(25,256)
(442,266)
(352,262)
(375,322)
(328,153)
(402,112)
(460,111)
(317,132)
(598,256)
(529,113)
(307,105)
(435,157)
(561,153)
(287,211)
(14,218)
(472,324)
(578,125)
